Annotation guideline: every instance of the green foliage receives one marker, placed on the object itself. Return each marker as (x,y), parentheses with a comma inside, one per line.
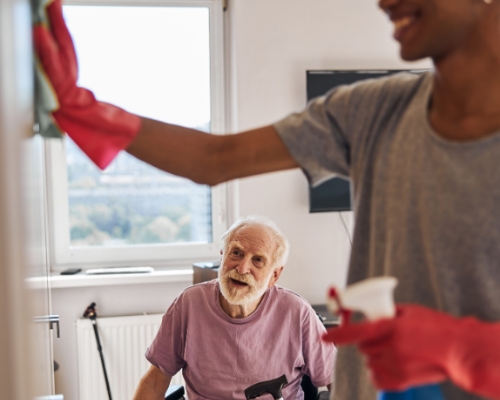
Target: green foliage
(116,224)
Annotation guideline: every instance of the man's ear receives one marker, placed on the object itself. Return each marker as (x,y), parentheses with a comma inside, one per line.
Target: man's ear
(276,274)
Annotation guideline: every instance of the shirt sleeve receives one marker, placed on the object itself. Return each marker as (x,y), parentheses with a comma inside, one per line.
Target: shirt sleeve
(332,135)
(316,137)
(167,349)
(319,356)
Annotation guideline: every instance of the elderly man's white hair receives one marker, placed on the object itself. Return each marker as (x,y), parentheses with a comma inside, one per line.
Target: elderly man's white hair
(282,245)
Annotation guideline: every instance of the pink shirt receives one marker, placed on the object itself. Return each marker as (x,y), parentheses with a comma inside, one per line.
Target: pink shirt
(221,356)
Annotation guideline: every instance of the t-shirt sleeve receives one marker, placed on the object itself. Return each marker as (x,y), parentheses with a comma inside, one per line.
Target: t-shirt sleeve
(319,356)
(316,137)
(332,135)
(167,348)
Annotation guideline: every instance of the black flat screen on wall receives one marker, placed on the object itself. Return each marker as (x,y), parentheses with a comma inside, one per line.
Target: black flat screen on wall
(334,194)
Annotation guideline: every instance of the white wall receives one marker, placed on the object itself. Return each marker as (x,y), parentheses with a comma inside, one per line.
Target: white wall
(273,43)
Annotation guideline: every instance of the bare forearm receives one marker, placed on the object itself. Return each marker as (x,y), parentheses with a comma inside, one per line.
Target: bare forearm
(153,385)
(210,159)
(146,392)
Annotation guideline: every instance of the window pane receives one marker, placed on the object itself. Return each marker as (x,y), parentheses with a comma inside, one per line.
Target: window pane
(166,52)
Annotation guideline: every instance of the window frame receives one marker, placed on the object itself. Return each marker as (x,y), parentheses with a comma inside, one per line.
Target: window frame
(62,255)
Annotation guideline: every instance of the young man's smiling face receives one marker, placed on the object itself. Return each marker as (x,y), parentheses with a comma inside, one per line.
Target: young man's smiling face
(248,265)
(434,28)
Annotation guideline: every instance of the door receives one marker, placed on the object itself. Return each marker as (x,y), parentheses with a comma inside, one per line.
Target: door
(43,326)
(25,345)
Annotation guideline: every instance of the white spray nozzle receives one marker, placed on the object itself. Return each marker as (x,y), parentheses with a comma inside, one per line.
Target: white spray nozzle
(372,297)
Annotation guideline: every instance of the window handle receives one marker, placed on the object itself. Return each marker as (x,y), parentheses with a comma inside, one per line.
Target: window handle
(51,320)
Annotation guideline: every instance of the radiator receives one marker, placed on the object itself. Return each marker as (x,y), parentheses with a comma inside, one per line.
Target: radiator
(124,341)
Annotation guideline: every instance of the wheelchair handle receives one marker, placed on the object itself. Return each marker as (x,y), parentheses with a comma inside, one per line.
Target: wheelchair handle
(273,387)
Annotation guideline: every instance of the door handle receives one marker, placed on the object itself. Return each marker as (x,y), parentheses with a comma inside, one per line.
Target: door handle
(51,320)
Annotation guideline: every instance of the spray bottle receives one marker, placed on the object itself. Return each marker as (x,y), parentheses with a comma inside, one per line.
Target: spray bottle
(374,299)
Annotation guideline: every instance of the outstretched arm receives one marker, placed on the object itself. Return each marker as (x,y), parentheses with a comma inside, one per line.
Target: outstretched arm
(152,385)
(101,130)
(422,346)
(210,159)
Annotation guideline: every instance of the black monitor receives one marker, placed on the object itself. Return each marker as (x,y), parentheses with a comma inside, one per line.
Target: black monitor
(334,194)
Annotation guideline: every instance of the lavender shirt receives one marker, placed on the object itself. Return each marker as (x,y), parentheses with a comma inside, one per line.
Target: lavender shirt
(221,356)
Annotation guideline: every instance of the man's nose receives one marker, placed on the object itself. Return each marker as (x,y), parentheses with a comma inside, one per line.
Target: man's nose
(244,266)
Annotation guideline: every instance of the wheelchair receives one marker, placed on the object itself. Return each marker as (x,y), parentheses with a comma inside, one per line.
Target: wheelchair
(176,392)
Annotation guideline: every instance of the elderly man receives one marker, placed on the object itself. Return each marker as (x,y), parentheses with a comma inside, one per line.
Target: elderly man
(241,329)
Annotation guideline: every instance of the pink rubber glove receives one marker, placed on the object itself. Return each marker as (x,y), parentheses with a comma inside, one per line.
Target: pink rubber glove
(421,346)
(101,130)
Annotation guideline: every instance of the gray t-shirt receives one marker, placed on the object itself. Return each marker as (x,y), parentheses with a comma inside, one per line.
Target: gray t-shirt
(425,207)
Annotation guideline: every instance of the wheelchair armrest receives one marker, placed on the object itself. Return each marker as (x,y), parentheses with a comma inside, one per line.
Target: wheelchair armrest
(324,395)
(174,392)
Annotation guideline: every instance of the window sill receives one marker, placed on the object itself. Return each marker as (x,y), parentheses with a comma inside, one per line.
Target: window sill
(82,280)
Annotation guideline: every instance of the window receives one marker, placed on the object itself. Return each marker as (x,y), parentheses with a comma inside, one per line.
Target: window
(162,60)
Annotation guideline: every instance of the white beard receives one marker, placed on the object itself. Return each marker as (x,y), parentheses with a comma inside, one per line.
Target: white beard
(245,295)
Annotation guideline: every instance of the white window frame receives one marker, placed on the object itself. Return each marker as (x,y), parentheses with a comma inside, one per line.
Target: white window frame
(62,255)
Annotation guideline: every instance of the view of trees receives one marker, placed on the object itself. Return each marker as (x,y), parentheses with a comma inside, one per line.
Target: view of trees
(133,203)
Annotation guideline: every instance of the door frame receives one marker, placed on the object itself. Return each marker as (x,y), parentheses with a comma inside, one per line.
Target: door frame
(16,126)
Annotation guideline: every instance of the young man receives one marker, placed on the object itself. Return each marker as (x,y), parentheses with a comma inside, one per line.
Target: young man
(241,329)
(422,155)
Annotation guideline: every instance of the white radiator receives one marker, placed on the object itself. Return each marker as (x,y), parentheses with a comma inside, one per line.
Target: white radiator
(124,341)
